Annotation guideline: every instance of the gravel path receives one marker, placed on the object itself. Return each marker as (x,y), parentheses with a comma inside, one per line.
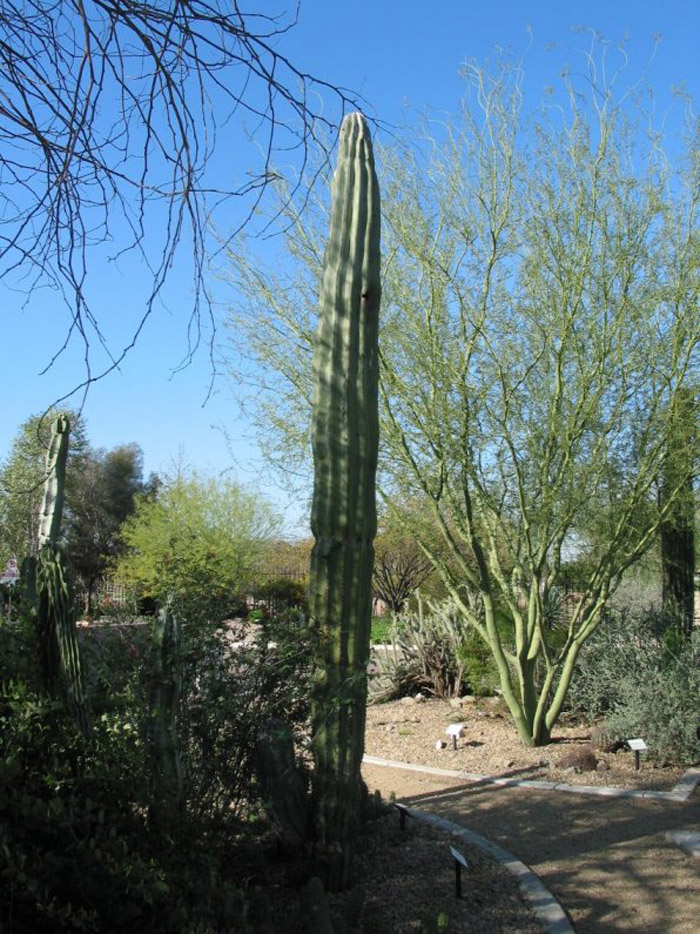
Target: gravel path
(606,860)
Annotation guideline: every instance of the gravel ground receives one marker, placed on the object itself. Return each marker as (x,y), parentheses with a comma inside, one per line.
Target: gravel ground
(607,861)
(409,880)
(407,731)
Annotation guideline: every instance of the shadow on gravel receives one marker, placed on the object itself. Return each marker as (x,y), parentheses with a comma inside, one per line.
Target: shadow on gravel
(606,860)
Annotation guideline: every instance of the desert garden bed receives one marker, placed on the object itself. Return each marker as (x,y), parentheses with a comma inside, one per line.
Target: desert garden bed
(408,731)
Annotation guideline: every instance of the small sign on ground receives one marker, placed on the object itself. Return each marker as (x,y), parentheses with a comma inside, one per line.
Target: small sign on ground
(459,857)
(453,731)
(637,746)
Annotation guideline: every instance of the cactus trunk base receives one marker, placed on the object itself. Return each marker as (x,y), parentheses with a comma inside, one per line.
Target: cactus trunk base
(338,704)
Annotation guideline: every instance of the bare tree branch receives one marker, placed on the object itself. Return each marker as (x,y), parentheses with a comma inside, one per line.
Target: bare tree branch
(110,112)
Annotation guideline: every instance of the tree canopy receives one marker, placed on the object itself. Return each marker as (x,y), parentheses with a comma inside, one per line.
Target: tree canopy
(104,497)
(101,487)
(400,566)
(22,476)
(539,331)
(197,543)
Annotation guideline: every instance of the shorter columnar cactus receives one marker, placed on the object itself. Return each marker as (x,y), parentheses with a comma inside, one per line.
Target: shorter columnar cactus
(166,689)
(60,656)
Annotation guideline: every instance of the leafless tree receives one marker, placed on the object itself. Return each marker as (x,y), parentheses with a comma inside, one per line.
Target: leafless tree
(400,568)
(110,112)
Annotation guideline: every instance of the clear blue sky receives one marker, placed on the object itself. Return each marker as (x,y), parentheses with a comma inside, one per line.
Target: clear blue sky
(395,53)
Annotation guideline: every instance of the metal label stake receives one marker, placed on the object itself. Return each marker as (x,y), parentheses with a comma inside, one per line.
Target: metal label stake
(460,863)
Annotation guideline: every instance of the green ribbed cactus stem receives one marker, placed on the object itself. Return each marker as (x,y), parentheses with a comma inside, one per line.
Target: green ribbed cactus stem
(166,690)
(53,499)
(343,519)
(55,615)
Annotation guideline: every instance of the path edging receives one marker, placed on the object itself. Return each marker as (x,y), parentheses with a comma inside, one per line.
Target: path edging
(681,792)
(540,900)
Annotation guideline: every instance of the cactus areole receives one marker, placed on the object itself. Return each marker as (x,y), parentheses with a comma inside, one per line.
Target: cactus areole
(343,518)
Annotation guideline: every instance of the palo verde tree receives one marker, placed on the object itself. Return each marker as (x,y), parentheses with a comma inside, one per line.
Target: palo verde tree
(552,280)
(539,328)
(110,115)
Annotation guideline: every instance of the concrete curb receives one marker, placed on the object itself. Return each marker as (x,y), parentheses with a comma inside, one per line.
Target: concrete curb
(543,904)
(682,791)
(688,840)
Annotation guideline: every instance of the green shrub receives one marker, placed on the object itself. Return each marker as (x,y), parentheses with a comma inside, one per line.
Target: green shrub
(382,630)
(113,657)
(479,666)
(73,847)
(642,680)
(230,694)
(76,850)
(283,593)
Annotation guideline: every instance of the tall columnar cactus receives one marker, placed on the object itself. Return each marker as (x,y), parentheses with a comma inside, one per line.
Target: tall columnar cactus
(343,519)
(60,657)
(166,689)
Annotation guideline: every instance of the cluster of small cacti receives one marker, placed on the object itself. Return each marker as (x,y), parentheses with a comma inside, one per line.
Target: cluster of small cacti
(343,519)
(282,785)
